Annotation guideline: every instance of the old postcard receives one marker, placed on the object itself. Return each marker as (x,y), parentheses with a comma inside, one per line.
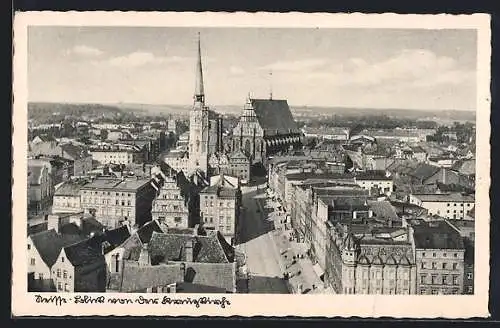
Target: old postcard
(251,164)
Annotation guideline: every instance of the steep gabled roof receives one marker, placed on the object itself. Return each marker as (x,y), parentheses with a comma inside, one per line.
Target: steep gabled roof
(49,244)
(274,116)
(170,247)
(138,278)
(83,253)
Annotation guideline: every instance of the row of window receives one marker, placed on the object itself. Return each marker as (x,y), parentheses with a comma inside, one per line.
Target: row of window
(463,204)
(434,265)
(436,281)
(107,193)
(444,254)
(221,204)
(210,219)
(425,291)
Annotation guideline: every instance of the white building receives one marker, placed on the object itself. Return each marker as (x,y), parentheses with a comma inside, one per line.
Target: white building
(449,205)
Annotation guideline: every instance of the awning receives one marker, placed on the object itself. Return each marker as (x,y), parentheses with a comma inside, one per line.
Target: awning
(319,271)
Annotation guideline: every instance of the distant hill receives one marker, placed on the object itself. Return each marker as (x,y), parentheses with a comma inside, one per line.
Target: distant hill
(42,111)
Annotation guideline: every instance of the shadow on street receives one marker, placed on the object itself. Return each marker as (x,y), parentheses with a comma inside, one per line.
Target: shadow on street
(255,224)
(268,285)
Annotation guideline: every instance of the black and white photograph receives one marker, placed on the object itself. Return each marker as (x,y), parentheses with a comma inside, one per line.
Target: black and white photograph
(227,161)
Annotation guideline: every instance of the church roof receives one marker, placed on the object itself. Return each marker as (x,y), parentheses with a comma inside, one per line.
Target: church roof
(274,116)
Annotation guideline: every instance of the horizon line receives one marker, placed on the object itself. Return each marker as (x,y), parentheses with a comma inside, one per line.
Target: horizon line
(234,105)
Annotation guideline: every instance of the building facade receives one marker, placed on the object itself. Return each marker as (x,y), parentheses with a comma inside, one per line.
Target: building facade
(171,206)
(446,205)
(220,207)
(116,200)
(439,257)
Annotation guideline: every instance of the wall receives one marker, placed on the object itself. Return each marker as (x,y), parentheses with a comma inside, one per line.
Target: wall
(39,266)
(66,204)
(424,273)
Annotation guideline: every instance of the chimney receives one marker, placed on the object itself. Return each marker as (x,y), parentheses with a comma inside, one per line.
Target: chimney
(188,247)
(444,175)
(53,222)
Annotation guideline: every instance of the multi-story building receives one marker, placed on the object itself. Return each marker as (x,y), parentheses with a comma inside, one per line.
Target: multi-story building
(67,197)
(79,267)
(40,187)
(234,164)
(220,206)
(377,181)
(172,203)
(446,205)
(439,257)
(177,160)
(360,261)
(114,200)
(114,156)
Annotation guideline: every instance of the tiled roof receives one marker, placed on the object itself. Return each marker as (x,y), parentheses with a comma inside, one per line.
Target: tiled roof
(448,197)
(437,235)
(424,171)
(372,175)
(83,253)
(219,275)
(69,188)
(467,167)
(146,231)
(383,209)
(49,244)
(170,247)
(274,116)
(90,225)
(116,237)
(138,278)
(36,228)
(220,191)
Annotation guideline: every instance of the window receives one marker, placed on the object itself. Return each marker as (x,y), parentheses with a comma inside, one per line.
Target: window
(423,254)
(455,255)
(455,280)
(469,289)
(62,258)
(422,279)
(444,254)
(434,292)
(177,219)
(29,246)
(422,291)
(443,279)
(444,265)
(434,279)
(59,286)
(117,202)
(66,289)
(65,274)
(40,276)
(469,275)
(433,254)
(228,228)
(455,266)
(32,261)
(422,265)
(58,273)
(434,265)
(128,203)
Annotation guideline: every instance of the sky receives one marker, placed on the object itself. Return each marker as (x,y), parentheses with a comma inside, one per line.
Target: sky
(368,68)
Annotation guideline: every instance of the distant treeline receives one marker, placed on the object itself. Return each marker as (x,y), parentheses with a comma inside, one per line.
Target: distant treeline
(368,122)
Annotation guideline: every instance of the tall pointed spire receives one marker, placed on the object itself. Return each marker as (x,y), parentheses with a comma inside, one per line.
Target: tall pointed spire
(199,93)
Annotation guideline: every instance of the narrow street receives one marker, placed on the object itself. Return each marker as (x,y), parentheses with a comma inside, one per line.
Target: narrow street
(262,256)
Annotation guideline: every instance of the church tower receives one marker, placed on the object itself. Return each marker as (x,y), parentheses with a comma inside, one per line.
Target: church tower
(199,123)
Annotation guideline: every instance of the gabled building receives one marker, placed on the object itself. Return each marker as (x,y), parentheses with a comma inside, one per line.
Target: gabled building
(80,267)
(266,127)
(178,262)
(220,208)
(67,197)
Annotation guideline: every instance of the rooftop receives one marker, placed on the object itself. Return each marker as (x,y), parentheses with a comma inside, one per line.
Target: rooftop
(49,244)
(445,197)
(116,184)
(70,188)
(436,235)
(274,116)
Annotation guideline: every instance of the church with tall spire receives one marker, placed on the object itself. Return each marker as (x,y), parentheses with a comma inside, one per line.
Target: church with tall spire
(205,125)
